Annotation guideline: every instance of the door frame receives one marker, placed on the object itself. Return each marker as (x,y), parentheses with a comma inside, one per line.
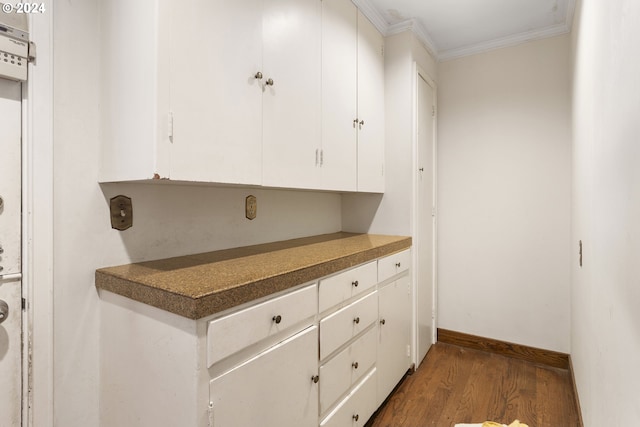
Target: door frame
(417,73)
(37,226)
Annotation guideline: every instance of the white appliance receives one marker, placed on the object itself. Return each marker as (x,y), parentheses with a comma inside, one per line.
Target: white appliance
(14,45)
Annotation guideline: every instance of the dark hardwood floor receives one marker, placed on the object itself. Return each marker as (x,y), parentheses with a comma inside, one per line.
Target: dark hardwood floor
(461,385)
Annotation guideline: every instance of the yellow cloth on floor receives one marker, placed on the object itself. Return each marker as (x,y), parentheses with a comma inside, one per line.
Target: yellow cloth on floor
(516,423)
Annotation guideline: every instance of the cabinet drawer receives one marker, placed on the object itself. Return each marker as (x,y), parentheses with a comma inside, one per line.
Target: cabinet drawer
(346,368)
(336,289)
(236,331)
(357,407)
(344,324)
(393,264)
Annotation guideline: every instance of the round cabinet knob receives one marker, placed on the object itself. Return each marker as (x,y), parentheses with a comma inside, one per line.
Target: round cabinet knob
(356,320)
(315,379)
(355,365)
(361,122)
(277,319)
(258,75)
(1,250)
(1,203)
(355,121)
(382,321)
(269,82)
(356,417)
(4,311)
(398,264)
(355,283)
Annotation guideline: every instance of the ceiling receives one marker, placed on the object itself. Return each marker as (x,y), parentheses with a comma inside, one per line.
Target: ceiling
(455,28)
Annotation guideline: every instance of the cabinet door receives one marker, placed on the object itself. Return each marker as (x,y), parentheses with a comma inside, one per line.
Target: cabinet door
(370,107)
(291,115)
(274,389)
(216,100)
(339,98)
(395,324)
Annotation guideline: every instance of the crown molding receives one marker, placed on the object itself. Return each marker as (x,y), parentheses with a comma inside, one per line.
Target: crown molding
(373,14)
(555,30)
(418,30)
(413,25)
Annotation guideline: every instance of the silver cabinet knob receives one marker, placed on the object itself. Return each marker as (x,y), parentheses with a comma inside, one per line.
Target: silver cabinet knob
(4,311)
(269,82)
(258,75)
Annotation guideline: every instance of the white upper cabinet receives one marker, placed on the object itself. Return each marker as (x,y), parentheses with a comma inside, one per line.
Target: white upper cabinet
(216,99)
(291,102)
(339,97)
(370,107)
(249,92)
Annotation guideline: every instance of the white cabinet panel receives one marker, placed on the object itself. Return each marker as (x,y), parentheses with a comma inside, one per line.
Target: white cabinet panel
(216,101)
(370,107)
(393,264)
(394,338)
(236,331)
(291,112)
(339,97)
(341,326)
(274,389)
(346,368)
(341,287)
(356,409)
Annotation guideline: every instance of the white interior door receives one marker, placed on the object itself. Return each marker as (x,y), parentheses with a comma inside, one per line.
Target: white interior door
(425,218)
(10,252)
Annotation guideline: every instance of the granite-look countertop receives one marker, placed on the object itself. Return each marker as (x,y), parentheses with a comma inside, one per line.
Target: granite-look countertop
(196,286)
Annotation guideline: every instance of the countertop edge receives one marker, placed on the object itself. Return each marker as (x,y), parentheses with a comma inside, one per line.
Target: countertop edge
(209,304)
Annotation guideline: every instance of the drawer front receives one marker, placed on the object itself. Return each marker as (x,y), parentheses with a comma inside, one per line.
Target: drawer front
(393,264)
(356,409)
(344,324)
(336,289)
(231,333)
(346,368)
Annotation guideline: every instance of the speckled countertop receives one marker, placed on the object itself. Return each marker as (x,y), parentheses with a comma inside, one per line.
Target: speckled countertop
(199,285)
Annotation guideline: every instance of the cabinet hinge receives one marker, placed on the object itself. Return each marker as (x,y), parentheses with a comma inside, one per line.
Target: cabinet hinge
(433,111)
(433,211)
(170,126)
(408,350)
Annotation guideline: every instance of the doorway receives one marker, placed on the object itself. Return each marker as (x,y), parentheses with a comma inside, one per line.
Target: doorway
(10,253)
(425,214)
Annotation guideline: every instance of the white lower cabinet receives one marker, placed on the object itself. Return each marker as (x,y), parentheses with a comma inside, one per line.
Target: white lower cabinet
(275,388)
(394,334)
(281,362)
(357,407)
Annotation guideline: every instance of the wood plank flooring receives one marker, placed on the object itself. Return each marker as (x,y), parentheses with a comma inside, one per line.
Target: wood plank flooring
(461,385)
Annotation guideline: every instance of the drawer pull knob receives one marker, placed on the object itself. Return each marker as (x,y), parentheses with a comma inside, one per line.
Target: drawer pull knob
(398,264)
(355,283)
(356,320)
(315,379)
(382,321)
(356,417)
(355,365)
(277,319)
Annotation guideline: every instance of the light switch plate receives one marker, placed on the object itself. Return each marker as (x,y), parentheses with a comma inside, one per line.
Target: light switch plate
(251,207)
(121,212)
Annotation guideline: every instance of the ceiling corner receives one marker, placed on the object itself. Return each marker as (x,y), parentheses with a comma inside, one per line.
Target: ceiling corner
(373,14)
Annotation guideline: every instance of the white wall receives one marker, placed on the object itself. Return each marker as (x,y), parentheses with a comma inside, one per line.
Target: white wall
(504,171)
(605,322)
(391,213)
(168,220)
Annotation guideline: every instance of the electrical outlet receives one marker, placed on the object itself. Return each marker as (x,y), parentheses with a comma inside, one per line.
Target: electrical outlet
(251,207)
(121,211)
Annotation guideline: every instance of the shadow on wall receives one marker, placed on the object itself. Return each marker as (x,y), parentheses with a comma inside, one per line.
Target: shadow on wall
(359,210)
(171,219)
